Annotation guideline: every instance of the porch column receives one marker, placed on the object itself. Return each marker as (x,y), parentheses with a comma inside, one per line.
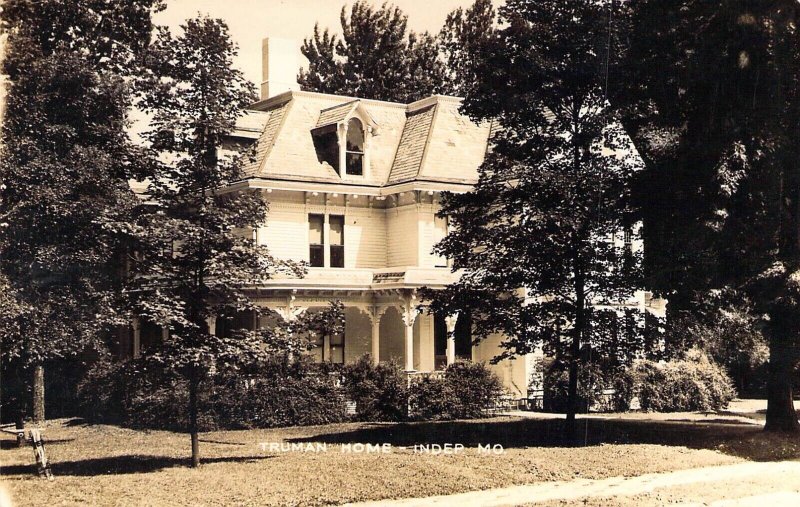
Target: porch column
(212,325)
(409,314)
(164,333)
(136,325)
(409,343)
(450,323)
(375,313)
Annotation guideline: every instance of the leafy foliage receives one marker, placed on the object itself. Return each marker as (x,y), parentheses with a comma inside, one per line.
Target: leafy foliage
(537,235)
(196,256)
(283,392)
(379,391)
(465,391)
(461,43)
(593,378)
(279,393)
(691,384)
(375,58)
(64,166)
(710,91)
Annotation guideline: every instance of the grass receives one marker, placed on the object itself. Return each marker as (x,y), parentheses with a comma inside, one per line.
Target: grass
(108,465)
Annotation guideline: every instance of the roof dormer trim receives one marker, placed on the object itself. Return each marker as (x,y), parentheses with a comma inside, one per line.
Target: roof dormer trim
(342,113)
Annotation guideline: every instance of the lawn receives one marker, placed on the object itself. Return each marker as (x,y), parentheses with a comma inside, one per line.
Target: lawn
(108,465)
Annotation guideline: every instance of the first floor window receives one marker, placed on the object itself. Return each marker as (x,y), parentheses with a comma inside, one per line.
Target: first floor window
(333,353)
(337,349)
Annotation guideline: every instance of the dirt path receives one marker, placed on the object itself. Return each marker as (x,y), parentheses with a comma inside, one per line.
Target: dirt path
(774,484)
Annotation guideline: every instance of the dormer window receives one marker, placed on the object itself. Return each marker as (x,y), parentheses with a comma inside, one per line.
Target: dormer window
(355,148)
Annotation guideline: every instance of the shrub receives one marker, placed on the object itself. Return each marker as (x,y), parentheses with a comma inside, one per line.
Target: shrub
(130,394)
(278,393)
(379,392)
(593,379)
(691,384)
(102,393)
(475,387)
(555,384)
(432,399)
(465,391)
(623,383)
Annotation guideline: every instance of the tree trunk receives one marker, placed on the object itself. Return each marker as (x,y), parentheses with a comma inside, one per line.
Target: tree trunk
(19,423)
(193,387)
(571,427)
(38,394)
(781,415)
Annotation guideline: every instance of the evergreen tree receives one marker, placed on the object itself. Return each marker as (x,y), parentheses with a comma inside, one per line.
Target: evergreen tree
(64,168)
(197,256)
(534,234)
(711,91)
(375,58)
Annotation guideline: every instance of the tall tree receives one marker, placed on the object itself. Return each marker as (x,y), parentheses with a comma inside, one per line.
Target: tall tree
(376,57)
(535,235)
(65,165)
(197,256)
(460,41)
(712,91)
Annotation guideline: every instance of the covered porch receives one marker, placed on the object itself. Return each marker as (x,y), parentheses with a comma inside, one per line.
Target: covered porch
(386,324)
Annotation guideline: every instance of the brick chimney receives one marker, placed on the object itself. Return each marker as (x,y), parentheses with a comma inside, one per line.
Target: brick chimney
(279,66)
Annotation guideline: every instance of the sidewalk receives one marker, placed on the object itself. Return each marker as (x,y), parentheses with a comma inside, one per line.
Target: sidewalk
(787,473)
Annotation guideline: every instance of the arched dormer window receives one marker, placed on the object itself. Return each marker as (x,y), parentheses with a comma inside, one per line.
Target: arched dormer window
(355,148)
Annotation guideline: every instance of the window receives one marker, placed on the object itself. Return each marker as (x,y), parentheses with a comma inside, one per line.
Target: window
(337,348)
(337,241)
(316,241)
(332,353)
(355,148)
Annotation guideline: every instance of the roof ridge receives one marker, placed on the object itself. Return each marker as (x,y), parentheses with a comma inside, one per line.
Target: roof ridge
(428,139)
(350,102)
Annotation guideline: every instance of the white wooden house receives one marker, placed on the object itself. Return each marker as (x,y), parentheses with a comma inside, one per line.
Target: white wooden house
(354,187)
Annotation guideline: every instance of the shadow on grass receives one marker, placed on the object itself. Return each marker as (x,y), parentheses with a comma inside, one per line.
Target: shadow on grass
(742,440)
(12,444)
(713,421)
(121,465)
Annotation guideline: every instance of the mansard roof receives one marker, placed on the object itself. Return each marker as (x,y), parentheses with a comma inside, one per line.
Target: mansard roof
(428,140)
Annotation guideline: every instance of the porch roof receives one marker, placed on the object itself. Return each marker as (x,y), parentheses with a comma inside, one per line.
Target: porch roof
(364,280)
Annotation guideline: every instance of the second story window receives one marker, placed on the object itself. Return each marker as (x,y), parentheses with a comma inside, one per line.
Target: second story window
(322,235)
(355,148)
(316,241)
(337,241)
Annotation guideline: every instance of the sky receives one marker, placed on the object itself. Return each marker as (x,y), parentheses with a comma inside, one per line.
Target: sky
(252,20)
